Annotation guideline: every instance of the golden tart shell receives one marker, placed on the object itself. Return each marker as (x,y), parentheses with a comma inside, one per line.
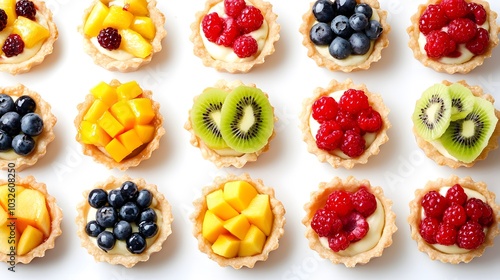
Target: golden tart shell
(235,67)
(414,32)
(164,229)
(56,217)
(272,241)
(436,156)
(415,217)
(377,104)
(318,200)
(142,153)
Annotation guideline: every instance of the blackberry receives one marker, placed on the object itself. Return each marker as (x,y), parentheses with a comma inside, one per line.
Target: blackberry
(109,38)
(26,8)
(3,19)
(13,45)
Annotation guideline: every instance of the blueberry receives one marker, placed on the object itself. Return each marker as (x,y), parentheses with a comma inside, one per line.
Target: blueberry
(115,198)
(136,243)
(5,141)
(144,199)
(31,124)
(129,190)
(340,48)
(360,43)
(345,7)
(373,30)
(358,22)
(106,241)
(122,230)
(98,198)
(323,10)
(25,104)
(106,216)
(148,215)
(10,122)
(23,144)
(6,104)
(148,229)
(321,34)
(340,26)
(129,212)
(364,9)
(93,229)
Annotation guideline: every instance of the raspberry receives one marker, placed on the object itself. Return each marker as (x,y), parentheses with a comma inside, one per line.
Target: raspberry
(3,19)
(446,234)
(245,46)
(455,8)
(347,121)
(462,30)
(476,12)
(433,18)
(338,241)
(340,202)
(109,38)
(230,32)
(474,209)
(324,109)
(434,204)
(364,202)
(455,215)
(13,45)
(326,222)
(369,120)
(355,225)
(470,235)
(479,44)
(439,44)
(329,136)
(456,194)
(26,8)
(234,7)
(212,26)
(428,229)
(353,144)
(250,19)
(354,101)
(487,218)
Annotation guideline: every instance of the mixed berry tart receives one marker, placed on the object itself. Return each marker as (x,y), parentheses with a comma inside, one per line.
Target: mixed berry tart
(345,35)
(122,35)
(27,34)
(453,220)
(31,228)
(453,36)
(349,221)
(119,124)
(234,35)
(231,123)
(344,124)
(123,221)
(238,221)
(456,124)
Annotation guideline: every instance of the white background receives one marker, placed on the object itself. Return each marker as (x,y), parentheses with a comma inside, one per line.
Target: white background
(288,76)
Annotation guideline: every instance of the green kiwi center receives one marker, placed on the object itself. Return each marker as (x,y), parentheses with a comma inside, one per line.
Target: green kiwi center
(248,118)
(433,112)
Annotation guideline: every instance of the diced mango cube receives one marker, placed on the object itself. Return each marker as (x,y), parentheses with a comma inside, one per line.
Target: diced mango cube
(3,217)
(118,18)
(93,134)
(212,226)
(30,31)
(128,90)
(144,26)
(5,194)
(93,24)
(9,6)
(239,194)
(111,125)
(137,7)
(134,43)
(217,204)
(237,226)
(5,237)
(146,132)
(259,213)
(226,246)
(95,111)
(123,113)
(116,150)
(253,243)
(30,239)
(31,209)
(142,109)
(105,92)
(130,140)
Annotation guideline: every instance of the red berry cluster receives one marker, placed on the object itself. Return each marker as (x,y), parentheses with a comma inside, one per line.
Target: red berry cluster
(231,31)
(454,22)
(343,124)
(343,219)
(454,218)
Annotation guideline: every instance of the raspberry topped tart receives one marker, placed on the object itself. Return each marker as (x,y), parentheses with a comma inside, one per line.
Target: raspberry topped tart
(238,221)
(344,124)
(453,220)
(234,35)
(453,36)
(456,124)
(122,35)
(345,35)
(349,221)
(27,34)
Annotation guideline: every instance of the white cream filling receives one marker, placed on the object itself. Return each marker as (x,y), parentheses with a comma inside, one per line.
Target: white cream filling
(117,54)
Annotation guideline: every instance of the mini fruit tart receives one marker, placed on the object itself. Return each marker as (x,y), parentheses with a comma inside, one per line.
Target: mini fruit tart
(119,125)
(26,127)
(456,124)
(344,124)
(453,220)
(345,35)
(122,35)
(30,225)
(123,221)
(231,123)
(27,34)
(453,36)
(238,221)
(234,35)
(349,221)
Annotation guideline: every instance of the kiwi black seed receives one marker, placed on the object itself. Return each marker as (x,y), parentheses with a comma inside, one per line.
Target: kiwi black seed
(462,101)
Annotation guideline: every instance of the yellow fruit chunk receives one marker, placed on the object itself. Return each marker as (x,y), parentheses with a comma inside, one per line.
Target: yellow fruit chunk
(30,31)
(3,217)
(95,111)
(93,134)
(123,113)
(145,132)
(128,90)
(137,7)
(144,26)
(142,109)
(259,213)
(31,209)
(118,18)
(9,6)
(212,227)
(9,237)
(217,204)
(29,240)
(237,226)
(226,246)
(7,193)
(253,243)
(135,44)
(116,150)
(239,194)
(130,140)
(111,125)
(105,92)
(93,25)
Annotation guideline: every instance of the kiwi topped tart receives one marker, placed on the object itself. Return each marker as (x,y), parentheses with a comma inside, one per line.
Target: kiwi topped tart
(456,124)
(231,123)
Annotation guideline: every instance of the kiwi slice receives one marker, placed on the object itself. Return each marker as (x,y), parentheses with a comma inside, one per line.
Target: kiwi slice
(462,101)
(247,119)
(432,112)
(206,115)
(466,138)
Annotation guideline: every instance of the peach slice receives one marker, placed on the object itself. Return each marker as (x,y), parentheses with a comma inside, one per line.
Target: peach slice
(135,44)
(5,194)
(30,239)
(30,31)
(9,236)
(31,209)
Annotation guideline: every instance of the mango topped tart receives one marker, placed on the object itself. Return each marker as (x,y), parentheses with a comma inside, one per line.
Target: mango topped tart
(238,221)
(119,125)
